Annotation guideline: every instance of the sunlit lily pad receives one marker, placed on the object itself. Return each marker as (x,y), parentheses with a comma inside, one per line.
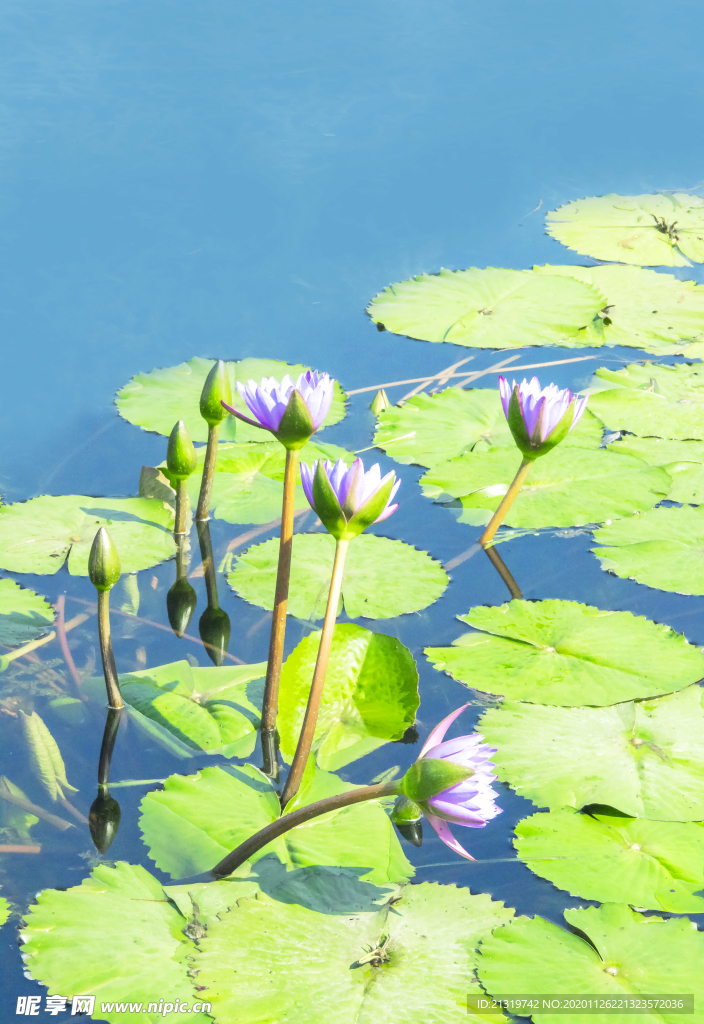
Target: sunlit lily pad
(310,973)
(563,652)
(643,759)
(653,865)
(5,910)
(383,578)
(24,615)
(658,230)
(370,695)
(683,461)
(566,487)
(622,955)
(198,819)
(488,308)
(42,534)
(652,400)
(157,400)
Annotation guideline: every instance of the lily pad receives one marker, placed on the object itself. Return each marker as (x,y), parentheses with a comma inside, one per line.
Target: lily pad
(453,422)
(157,400)
(5,910)
(42,534)
(683,461)
(567,653)
(653,865)
(648,230)
(488,308)
(653,400)
(370,695)
(311,975)
(198,819)
(24,615)
(567,487)
(125,910)
(645,759)
(622,955)
(383,578)
(663,549)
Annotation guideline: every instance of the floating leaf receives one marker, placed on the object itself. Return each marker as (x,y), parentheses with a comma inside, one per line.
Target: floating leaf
(653,865)
(643,759)
(488,308)
(649,230)
(198,819)
(24,615)
(5,910)
(653,400)
(41,534)
(118,935)
(309,975)
(567,487)
(157,400)
(662,549)
(370,695)
(683,461)
(45,757)
(383,578)
(622,955)
(564,652)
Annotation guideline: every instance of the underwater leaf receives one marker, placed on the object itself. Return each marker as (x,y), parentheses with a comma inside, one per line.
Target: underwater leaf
(683,461)
(5,910)
(117,935)
(650,230)
(311,973)
(645,759)
(488,308)
(622,954)
(383,578)
(564,652)
(652,400)
(45,757)
(653,865)
(663,548)
(40,535)
(567,487)
(24,615)
(157,400)
(453,422)
(370,695)
(12,817)
(198,819)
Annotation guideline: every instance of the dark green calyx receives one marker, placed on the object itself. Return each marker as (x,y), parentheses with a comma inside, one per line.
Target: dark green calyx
(371,509)
(103,561)
(181,602)
(216,390)
(430,776)
(181,456)
(326,504)
(531,445)
(296,426)
(405,810)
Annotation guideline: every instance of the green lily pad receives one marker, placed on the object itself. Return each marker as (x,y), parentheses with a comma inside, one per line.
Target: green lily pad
(370,695)
(383,578)
(683,461)
(653,865)
(5,910)
(653,400)
(663,549)
(24,615)
(644,309)
(41,534)
(658,230)
(310,974)
(453,422)
(567,487)
(567,653)
(198,819)
(645,759)
(488,308)
(117,936)
(622,955)
(157,400)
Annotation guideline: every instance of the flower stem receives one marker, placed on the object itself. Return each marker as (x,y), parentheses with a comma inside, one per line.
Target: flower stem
(182,506)
(305,740)
(508,499)
(206,484)
(109,671)
(288,821)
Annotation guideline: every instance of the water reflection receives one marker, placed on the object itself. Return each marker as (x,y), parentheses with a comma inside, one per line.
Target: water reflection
(181,599)
(104,814)
(497,561)
(214,624)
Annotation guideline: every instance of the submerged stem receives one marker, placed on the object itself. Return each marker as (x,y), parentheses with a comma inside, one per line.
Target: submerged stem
(109,671)
(508,499)
(206,484)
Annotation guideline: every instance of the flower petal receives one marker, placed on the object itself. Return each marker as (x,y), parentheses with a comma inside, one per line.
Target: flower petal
(438,733)
(443,831)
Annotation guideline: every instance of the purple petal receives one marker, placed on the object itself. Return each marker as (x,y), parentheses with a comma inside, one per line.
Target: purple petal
(505,391)
(579,406)
(307,474)
(443,831)
(438,733)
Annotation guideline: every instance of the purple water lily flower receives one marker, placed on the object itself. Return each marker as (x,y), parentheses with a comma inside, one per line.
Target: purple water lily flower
(469,803)
(269,400)
(539,419)
(346,498)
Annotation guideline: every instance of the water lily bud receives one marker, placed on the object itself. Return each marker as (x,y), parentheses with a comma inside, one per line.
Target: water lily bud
(181,602)
(181,456)
(214,629)
(380,402)
(103,820)
(216,390)
(103,561)
(430,776)
(539,420)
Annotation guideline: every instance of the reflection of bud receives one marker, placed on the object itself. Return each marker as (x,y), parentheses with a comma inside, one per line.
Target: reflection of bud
(214,629)
(181,601)
(103,820)
(103,561)
(181,456)
(406,816)
(215,391)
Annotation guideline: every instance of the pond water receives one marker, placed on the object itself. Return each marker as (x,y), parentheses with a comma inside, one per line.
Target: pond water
(229,180)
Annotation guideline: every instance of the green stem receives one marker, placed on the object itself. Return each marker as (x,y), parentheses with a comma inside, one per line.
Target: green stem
(206,484)
(305,740)
(109,671)
(288,821)
(506,503)
(182,506)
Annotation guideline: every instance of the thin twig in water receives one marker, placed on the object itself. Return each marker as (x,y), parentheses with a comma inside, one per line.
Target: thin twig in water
(63,643)
(442,376)
(20,849)
(73,810)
